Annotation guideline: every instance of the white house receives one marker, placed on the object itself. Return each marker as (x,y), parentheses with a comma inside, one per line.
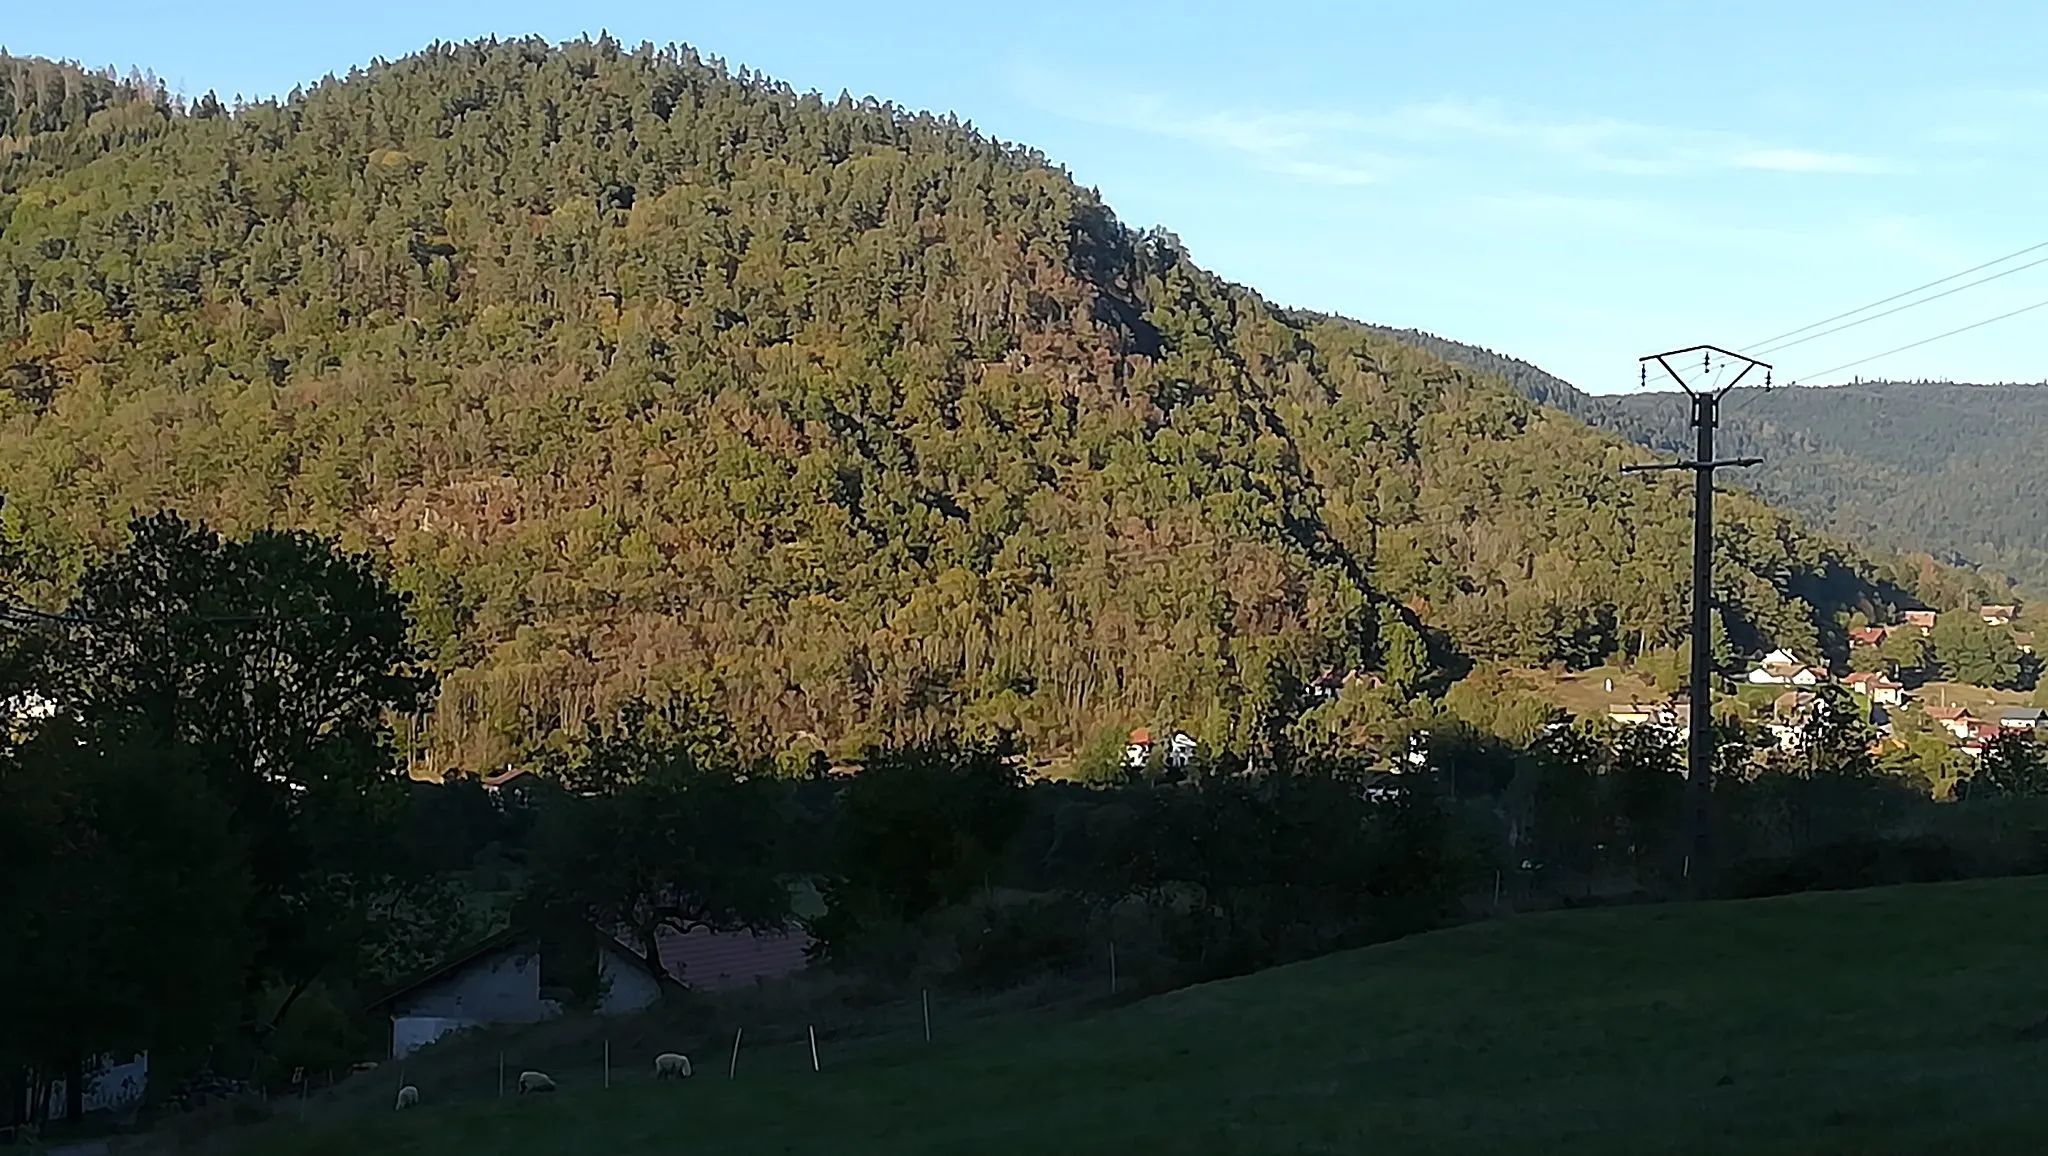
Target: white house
(1789,713)
(1139,750)
(28,705)
(1180,750)
(499,981)
(115,1087)
(24,709)
(2023,718)
(1418,751)
(1784,668)
(1634,714)
(1957,721)
(1878,688)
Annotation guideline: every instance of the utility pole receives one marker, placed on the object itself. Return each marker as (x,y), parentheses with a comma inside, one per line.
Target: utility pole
(1706,407)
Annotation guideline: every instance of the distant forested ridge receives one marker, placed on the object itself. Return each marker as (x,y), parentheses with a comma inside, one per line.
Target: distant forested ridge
(1957,472)
(646,374)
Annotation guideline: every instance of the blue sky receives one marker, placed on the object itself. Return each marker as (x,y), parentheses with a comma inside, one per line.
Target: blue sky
(1575,184)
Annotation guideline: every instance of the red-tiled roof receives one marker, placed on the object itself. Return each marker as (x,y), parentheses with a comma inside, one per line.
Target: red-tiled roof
(712,960)
(504,776)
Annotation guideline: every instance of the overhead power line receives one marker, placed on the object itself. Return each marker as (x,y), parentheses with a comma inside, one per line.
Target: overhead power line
(1777,343)
(1924,341)
(1894,297)
(1779,347)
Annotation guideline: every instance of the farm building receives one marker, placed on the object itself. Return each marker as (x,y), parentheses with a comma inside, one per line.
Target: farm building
(514,978)
(508,979)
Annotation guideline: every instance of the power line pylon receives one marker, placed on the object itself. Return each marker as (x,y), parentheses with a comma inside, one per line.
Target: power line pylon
(1715,363)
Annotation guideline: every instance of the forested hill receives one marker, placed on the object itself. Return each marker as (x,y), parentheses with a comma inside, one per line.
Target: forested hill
(1536,384)
(1953,471)
(648,374)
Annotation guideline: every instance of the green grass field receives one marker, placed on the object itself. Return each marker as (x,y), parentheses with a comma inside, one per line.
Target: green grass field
(1867,1022)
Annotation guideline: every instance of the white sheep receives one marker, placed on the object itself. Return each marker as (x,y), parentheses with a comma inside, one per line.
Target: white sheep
(535,1082)
(671,1066)
(408,1097)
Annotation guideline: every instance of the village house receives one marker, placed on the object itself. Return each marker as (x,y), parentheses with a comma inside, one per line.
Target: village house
(1997,614)
(1956,720)
(704,960)
(508,979)
(1672,717)
(27,706)
(1326,686)
(1139,750)
(1784,668)
(1978,735)
(1922,620)
(117,1087)
(1329,685)
(1869,635)
(1878,688)
(505,778)
(505,979)
(1789,712)
(1180,750)
(2024,640)
(1633,714)
(2023,718)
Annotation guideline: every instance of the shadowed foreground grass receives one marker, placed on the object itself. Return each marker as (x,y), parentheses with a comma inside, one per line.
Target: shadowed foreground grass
(1863,1022)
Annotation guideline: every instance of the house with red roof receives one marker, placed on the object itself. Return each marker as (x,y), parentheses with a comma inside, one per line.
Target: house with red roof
(1877,687)
(1956,720)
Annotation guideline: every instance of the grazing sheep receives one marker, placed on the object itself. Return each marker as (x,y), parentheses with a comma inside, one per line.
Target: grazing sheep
(535,1082)
(408,1097)
(671,1066)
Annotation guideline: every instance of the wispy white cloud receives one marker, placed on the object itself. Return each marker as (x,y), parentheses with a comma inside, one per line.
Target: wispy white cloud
(1808,161)
(1983,119)
(1351,147)
(1313,146)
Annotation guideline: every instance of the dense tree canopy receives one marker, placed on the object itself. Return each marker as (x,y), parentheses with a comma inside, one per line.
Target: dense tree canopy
(1942,470)
(648,374)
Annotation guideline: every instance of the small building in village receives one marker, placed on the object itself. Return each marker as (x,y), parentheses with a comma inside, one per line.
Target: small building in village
(1139,750)
(111,1086)
(517,977)
(1789,713)
(1180,750)
(1329,685)
(1877,687)
(1956,720)
(1997,614)
(498,781)
(1978,735)
(1784,668)
(1921,620)
(2029,719)
(508,979)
